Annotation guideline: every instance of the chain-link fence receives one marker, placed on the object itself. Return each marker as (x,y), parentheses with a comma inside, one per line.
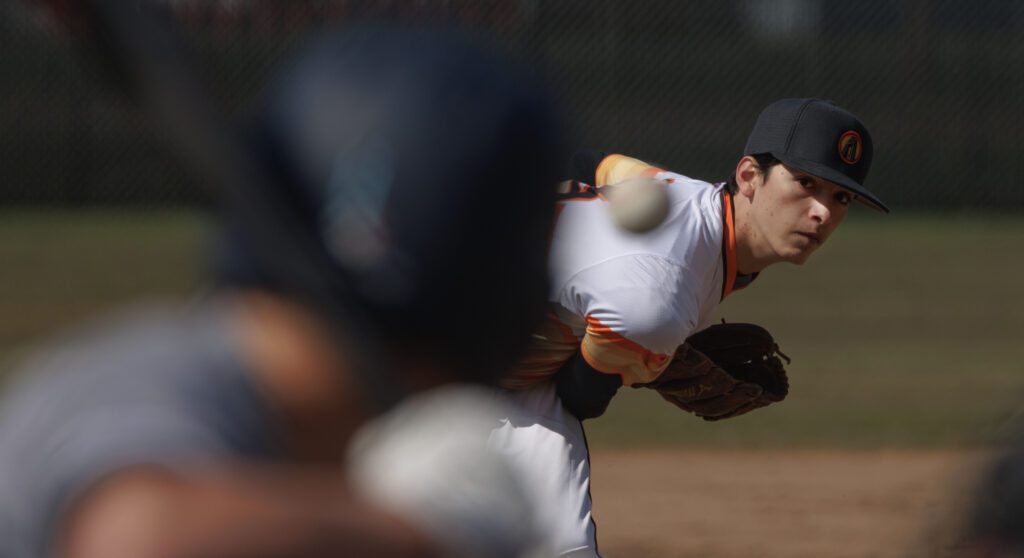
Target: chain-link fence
(939,82)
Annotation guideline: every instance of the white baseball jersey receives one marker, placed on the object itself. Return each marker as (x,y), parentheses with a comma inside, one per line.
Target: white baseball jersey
(629,300)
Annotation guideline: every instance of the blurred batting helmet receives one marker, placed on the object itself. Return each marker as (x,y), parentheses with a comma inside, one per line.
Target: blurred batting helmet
(424,167)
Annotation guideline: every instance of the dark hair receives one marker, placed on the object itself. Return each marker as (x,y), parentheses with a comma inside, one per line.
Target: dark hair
(764,160)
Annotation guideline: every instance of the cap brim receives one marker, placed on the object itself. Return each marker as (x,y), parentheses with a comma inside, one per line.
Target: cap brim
(832,175)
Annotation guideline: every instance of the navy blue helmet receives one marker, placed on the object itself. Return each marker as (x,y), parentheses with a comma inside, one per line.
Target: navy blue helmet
(424,166)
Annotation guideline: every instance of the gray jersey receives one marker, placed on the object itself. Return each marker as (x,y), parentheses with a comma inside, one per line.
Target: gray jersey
(157,387)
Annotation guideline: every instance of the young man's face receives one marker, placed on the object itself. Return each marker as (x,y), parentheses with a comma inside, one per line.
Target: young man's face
(796,212)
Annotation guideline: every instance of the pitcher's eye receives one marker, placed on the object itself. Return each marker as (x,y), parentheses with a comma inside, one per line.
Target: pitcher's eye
(844,197)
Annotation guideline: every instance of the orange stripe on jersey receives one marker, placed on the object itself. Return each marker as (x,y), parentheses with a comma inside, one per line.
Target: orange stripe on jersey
(608,351)
(728,245)
(594,325)
(616,168)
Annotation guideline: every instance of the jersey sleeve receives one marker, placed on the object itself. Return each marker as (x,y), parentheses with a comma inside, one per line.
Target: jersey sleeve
(638,310)
(600,168)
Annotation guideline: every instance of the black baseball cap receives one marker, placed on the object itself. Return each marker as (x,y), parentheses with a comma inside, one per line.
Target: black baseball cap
(820,138)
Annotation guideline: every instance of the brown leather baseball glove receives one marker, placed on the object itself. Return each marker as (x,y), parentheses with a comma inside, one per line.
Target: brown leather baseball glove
(724,371)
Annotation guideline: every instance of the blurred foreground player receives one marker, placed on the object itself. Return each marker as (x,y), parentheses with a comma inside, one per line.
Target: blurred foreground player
(220,430)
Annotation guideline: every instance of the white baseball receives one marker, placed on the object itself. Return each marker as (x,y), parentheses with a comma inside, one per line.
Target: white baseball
(638,205)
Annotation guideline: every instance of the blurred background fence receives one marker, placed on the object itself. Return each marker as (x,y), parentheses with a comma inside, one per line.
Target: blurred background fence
(939,82)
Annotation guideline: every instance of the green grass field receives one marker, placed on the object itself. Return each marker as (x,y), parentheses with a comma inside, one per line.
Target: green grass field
(905,331)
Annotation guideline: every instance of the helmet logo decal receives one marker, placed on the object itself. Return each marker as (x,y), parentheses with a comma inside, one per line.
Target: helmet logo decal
(850,147)
(353,212)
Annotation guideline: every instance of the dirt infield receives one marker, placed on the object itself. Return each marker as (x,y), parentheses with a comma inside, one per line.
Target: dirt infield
(771,503)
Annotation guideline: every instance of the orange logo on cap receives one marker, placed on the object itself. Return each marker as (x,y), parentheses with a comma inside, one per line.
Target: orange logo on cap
(850,147)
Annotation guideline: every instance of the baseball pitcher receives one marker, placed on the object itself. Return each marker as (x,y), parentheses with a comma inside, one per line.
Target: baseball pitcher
(636,309)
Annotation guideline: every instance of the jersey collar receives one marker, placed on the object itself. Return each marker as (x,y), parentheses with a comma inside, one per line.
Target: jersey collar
(732,280)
